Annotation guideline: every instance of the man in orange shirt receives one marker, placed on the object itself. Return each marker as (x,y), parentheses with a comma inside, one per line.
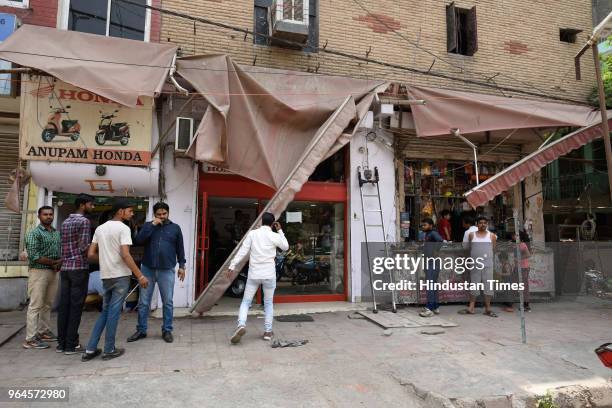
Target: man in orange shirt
(444,225)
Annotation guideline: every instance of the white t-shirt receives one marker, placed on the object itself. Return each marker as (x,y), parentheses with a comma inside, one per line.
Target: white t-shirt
(261,244)
(109,237)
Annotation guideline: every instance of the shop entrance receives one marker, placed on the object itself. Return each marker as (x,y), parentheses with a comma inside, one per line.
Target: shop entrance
(312,270)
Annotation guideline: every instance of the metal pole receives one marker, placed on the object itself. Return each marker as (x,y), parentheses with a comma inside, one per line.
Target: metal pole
(517,241)
(604,113)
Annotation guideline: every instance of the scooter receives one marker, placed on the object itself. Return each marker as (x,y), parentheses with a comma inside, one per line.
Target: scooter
(115,132)
(58,127)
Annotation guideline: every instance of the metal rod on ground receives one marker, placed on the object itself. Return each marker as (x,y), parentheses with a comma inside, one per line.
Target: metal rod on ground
(604,113)
(517,240)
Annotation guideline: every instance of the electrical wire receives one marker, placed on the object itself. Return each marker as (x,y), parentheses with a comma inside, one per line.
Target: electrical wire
(347,55)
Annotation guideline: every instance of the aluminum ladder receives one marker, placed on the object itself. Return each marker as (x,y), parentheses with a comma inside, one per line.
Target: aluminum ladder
(372,177)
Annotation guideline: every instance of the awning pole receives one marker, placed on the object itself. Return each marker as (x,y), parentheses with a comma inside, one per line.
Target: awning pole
(517,241)
(474,149)
(604,113)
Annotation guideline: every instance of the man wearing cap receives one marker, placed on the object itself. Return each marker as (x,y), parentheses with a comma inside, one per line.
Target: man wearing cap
(76,236)
(110,247)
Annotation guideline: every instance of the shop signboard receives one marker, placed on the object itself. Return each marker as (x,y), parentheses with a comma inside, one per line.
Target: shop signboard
(68,124)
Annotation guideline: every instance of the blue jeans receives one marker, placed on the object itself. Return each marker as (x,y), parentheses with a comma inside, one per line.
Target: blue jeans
(249,291)
(432,295)
(165,281)
(115,292)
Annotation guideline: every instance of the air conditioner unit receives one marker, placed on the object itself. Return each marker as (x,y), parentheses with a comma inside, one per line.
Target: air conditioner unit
(184,134)
(289,20)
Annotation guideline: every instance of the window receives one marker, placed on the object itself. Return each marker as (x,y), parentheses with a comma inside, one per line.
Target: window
(15,3)
(108,17)
(292,10)
(568,35)
(461,30)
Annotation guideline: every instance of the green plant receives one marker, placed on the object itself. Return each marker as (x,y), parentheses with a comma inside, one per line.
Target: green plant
(545,401)
(606,69)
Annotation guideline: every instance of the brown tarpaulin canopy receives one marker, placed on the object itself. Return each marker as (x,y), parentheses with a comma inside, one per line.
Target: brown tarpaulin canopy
(475,113)
(532,163)
(115,68)
(272,126)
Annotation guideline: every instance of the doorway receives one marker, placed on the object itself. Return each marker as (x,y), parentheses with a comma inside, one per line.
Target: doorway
(312,270)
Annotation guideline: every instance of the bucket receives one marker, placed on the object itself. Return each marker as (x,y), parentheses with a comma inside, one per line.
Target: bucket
(604,352)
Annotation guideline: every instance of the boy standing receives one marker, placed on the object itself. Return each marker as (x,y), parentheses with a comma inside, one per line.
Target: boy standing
(111,248)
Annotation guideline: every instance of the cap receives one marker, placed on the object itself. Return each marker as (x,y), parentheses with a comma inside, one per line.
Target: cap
(120,204)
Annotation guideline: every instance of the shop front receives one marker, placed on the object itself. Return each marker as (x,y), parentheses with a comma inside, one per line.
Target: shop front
(314,268)
(435,176)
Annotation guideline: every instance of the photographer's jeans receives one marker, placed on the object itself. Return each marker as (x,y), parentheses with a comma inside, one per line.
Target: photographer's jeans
(115,292)
(165,281)
(432,295)
(269,285)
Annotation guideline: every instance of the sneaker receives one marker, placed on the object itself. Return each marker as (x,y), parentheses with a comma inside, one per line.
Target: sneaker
(59,349)
(117,352)
(136,336)
(35,343)
(90,355)
(436,310)
(238,333)
(78,349)
(426,313)
(167,336)
(47,336)
(268,336)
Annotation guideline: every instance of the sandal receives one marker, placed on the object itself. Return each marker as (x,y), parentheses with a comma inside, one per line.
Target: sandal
(490,313)
(465,312)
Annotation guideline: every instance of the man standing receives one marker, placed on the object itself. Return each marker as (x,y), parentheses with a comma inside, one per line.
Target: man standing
(262,244)
(432,268)
(482,246)
(110,247)
(163,241)
(468,225)
(43,246)
(76,236)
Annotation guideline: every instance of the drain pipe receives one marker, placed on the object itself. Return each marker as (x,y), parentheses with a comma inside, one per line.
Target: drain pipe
(171,76)
(456,132)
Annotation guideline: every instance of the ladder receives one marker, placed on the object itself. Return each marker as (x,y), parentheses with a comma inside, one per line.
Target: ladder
(371,177)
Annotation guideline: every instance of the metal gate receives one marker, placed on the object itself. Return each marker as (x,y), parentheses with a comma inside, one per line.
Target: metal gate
(10,222)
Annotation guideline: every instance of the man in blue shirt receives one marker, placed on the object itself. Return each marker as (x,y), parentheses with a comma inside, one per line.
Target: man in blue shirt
(432,265)
(163,241)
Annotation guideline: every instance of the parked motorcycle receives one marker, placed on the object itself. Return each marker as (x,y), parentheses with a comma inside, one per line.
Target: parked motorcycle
(310,272)
(58,127)
(237,287)
(114,132)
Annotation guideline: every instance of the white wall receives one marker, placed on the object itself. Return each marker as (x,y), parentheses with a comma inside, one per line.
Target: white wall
(181,190)
(381,156)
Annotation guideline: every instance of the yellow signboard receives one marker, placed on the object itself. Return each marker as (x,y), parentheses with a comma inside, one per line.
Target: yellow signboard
(60,122)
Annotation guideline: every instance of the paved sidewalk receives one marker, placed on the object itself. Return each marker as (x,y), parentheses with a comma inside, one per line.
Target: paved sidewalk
(348,362)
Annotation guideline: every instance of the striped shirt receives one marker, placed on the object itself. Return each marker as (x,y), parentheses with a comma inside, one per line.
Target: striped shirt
(41,242)
(76,236)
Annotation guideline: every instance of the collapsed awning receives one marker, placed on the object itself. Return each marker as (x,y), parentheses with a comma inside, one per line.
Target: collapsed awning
(260,120)
(532,163)
(272,126)
(115,68)
(471,112)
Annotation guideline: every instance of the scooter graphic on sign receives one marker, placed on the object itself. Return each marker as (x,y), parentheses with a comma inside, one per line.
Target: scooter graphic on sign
(115,132)
(58,127)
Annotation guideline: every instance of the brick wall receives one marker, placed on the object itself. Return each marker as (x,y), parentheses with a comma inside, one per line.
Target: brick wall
(39,12)
(518,42)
